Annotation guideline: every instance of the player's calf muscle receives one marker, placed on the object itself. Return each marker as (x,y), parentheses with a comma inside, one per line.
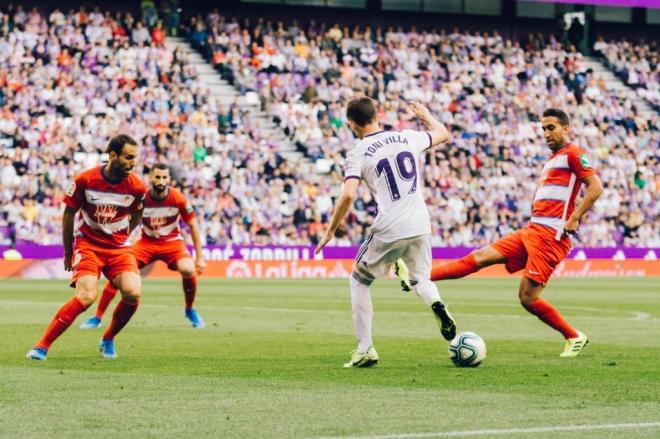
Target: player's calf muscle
(486,256)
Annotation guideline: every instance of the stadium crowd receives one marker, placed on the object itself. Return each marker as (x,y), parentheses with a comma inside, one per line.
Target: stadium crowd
(488,89)
(70,81)
(636,65)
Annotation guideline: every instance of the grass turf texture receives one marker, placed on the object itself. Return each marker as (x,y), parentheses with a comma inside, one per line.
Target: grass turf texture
(269,363)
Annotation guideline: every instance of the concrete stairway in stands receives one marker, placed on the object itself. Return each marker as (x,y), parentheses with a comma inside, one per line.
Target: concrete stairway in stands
(227,93)
(613,83)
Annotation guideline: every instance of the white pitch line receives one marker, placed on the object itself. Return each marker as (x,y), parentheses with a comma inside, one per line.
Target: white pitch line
(551,429)
(641,316)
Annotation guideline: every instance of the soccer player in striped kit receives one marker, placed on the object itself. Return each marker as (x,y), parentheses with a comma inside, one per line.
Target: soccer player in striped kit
(165,206)
(110,200)
(545,241)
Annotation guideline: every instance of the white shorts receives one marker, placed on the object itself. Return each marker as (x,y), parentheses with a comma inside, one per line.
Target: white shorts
(375,258)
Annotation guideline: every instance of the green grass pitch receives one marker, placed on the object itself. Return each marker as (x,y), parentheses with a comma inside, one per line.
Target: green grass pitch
(269,363)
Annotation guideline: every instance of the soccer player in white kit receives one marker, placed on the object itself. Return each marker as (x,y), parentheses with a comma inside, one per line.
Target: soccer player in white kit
(388,161)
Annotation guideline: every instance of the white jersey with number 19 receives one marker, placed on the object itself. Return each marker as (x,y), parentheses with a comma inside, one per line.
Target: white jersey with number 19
(388,161)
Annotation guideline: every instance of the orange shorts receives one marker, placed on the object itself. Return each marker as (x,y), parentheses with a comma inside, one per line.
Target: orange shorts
(147,251)
(92,259)
(535,249)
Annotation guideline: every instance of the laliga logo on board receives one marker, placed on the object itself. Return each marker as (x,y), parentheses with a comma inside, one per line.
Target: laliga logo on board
(105,213)
(238,270)
(284,269)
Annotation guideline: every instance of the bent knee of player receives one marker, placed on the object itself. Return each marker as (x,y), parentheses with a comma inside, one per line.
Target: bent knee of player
(525,298)
(130,286)
(86,297)
(529,292)
(186,267)
(86,290)
(132,295)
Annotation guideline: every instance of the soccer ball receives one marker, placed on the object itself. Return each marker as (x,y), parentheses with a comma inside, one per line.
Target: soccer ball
(467,349)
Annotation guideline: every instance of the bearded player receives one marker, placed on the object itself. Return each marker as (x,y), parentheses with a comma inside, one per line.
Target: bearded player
(545,241)
(161,240)
(110,199)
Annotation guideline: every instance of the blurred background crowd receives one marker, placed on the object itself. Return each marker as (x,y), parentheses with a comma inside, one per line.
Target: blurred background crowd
(69,80)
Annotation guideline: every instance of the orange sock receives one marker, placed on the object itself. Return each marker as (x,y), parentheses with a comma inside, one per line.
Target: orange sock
(62,320)
(109,293)
(123,313)
(549,315)
(189,290)
(456,269)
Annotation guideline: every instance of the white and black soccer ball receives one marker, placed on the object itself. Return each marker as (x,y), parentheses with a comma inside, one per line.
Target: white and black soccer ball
(467,349)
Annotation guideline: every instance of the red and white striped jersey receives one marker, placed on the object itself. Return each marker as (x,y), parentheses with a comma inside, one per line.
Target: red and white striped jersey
(105,207)
(160,220)
(559,185)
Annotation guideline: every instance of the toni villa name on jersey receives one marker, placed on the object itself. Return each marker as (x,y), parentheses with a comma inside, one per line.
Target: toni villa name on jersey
(397,138)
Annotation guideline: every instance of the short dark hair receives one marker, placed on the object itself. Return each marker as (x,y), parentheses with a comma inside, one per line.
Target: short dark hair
(117,143)
(161,166)
(559,114)
(361,110)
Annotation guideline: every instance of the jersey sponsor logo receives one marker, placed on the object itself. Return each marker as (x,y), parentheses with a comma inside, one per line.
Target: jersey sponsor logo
(189,207)
(584,161)
(153,212)
(105,213)
(71,189)
(100,198)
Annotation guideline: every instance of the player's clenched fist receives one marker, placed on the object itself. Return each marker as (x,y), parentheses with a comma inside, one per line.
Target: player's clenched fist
(420,110)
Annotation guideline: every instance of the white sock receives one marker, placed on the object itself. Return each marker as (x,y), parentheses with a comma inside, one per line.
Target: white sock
(427,291)
(363,313)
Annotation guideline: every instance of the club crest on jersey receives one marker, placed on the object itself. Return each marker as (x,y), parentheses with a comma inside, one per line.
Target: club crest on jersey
(105,213)
(584,161)
(157,222)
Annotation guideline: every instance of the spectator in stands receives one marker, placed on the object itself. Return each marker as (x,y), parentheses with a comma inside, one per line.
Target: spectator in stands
(82,86)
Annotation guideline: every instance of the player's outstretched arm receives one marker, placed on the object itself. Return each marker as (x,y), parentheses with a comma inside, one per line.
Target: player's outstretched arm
(68,219)
(436,129)
(594,190)
(348,194)
(200,263)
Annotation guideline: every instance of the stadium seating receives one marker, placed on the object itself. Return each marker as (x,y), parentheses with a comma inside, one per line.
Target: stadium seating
(491,92)
(68,81)
(636,65)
